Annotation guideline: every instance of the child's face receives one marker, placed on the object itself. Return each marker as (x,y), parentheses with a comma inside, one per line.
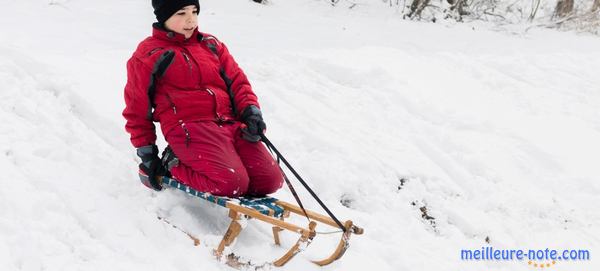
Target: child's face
(184,21)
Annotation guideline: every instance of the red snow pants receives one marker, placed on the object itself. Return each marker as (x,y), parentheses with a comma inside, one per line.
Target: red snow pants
(214,158)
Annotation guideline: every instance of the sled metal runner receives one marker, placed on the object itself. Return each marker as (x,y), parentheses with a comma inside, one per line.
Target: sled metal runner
(274,212)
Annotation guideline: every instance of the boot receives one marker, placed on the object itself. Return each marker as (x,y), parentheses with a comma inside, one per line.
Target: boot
(169,160)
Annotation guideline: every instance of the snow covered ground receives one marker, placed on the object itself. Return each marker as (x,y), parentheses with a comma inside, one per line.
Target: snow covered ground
(494,135)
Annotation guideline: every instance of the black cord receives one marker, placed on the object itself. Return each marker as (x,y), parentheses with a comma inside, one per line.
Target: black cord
(312,193)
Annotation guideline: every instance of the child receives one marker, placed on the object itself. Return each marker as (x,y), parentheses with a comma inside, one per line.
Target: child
(189,83)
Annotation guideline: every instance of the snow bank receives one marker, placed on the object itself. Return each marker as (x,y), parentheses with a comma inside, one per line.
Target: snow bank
(433,138)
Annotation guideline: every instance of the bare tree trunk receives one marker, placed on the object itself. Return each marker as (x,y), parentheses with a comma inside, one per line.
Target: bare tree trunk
(595,6)
(459,5)
(416,7)
(534,9)
(563,8)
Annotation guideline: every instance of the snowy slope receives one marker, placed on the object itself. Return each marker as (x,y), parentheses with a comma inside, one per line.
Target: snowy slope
(496,135)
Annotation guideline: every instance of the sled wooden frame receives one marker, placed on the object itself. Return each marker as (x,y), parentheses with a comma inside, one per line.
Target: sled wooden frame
(272,211)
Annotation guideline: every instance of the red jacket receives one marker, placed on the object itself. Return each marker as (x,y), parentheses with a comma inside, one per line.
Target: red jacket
(191,89)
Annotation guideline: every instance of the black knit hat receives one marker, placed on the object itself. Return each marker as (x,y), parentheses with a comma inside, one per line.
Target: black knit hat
(163,9)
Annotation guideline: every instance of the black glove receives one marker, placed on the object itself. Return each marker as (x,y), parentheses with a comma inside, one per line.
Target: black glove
(254,124)
(151,167)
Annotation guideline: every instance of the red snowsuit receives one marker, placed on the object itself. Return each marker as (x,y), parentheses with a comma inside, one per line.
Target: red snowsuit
(194,109)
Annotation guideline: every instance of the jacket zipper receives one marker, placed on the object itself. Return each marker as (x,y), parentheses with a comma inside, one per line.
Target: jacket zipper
(188,138)
(154,51)
(189,63)
(172,104)
(219,118)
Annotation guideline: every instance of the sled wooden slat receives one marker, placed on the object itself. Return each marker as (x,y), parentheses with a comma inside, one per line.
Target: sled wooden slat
(232,232)
(303,242)
(271,220)
(264,205)
(297,210)
(272,211)
(341,248)
(276,231)
(318,217)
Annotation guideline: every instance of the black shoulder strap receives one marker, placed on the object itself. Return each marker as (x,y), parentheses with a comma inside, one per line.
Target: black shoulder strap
(213,48)
(160,67)
(228,83)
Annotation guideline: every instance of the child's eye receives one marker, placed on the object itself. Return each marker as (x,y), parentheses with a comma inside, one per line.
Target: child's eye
(180,13)
(195,12)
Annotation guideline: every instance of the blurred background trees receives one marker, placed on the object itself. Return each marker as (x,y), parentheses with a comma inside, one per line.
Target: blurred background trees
(580,15)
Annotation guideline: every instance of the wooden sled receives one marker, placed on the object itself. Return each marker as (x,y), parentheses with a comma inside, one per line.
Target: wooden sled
(274,212)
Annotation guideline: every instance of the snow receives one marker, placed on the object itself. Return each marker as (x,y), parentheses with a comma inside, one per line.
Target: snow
(494,134)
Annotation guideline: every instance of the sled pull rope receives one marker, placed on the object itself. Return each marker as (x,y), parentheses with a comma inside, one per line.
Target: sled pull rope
(312,193)
(290,186)
(294,193)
